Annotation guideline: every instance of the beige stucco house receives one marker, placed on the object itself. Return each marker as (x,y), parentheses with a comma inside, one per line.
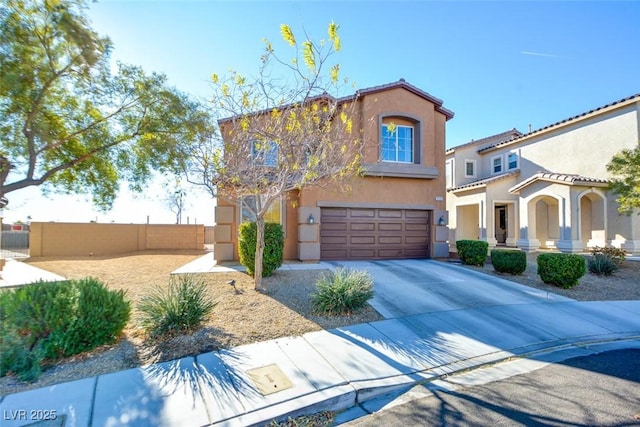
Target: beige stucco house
(393,211)
(546,189)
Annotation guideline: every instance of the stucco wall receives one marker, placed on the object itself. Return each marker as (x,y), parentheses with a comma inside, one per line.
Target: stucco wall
(424,193)
(582,148)
(75,239)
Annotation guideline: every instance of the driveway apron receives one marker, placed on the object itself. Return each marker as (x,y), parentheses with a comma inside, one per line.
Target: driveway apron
(408,287)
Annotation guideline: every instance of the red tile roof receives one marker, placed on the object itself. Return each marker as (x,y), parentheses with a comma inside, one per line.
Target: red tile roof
(562,178)
(484,181)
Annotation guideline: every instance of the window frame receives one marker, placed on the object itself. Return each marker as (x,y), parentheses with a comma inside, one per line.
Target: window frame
(449,173)
(396,145)
(268,159)
(493,165)
(517,161)
(472,162)
(277,203)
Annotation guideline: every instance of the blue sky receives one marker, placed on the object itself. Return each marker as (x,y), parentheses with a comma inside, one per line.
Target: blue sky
(496,65)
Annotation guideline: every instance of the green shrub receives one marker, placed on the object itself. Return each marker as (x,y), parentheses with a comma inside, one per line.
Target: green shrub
(181,307)
(273,247)
(510,261)
(601,264)
(342,291)
(48,320)
(617,255)
(18,357)
(472,252)
(562,270)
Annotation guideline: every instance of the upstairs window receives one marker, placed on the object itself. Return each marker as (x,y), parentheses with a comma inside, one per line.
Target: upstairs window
(469,168)
(448,173)
(496,164)
(265,153)
(397,143)
(274,214)
(512,161)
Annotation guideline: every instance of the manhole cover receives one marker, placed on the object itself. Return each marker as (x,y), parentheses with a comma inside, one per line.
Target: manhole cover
(269,379)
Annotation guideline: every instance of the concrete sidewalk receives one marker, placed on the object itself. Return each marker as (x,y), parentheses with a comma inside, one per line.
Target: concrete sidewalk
(333,369)
(17,273)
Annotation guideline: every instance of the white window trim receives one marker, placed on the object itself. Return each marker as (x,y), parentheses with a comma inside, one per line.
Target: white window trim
(449,173)
(517,160)
(499,157)
(413,144)
(475,169)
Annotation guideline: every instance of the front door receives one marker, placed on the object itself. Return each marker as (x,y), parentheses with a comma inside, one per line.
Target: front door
(501,224)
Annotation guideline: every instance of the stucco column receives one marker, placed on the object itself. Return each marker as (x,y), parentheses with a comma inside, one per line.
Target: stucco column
(512,225)
(222,240)
(569,227)
(309,234)
(440,245)
(527,226)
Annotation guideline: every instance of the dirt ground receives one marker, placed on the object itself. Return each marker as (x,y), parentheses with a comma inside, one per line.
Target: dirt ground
(242,315)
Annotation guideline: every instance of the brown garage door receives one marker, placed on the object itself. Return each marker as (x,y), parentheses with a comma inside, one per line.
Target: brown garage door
(367,233)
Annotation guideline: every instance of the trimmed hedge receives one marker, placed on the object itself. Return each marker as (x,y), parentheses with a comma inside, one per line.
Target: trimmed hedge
(48,320)
(510,261)
(273,247)
(472,252)
(562,270)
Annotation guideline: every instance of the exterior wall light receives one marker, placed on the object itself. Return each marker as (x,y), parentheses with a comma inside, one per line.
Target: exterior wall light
(311,219)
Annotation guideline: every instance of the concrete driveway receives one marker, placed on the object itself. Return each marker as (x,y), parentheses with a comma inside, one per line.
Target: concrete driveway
(408,287)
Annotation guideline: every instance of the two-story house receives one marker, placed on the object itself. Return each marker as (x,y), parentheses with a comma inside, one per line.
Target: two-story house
(546,189)
(396,209)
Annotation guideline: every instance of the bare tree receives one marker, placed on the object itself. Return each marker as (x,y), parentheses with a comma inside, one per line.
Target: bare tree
(280,134)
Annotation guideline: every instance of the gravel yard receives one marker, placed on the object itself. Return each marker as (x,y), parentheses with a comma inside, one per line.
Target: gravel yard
(244,316)
(240,317)
(623,284)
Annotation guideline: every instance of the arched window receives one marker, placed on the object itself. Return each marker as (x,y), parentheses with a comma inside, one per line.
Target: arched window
(399,139)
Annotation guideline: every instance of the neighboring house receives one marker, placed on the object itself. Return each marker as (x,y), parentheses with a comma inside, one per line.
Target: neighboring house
(395,210)
(546,189)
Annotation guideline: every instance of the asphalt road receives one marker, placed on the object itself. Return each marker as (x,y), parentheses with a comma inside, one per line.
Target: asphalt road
(599,390)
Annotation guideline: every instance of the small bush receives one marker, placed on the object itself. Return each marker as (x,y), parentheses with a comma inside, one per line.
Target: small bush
(562,270)
(183,306)
(601,265)
(342,291)
(273,247)
(617,255)
(472,252)
(18,357)
(509,261)
(49,320)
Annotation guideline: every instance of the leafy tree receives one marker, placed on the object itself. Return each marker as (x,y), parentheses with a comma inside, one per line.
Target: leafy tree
(625,166)
(71,123)
(285,129)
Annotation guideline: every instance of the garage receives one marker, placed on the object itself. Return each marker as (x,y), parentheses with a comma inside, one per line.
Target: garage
(374,233)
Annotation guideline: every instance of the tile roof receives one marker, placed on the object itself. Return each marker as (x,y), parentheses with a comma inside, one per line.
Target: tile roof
(368,91)
(562,178)
(501,137)
(402,83)
(562,122)
(484,181)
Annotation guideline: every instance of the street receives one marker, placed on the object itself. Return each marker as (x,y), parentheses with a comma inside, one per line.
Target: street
(598,390)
